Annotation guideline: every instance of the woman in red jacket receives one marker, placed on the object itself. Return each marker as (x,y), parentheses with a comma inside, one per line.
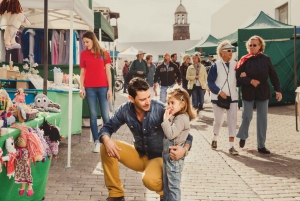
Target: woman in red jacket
(95,79)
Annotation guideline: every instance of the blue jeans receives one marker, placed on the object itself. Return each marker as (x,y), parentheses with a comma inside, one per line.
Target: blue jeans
(198,97)
(93,97)
(261,121)
(163,93)
(171,173)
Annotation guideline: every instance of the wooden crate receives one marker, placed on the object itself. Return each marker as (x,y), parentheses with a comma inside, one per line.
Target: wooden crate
(11,73)
(21,77)
(23,85)
(3,73)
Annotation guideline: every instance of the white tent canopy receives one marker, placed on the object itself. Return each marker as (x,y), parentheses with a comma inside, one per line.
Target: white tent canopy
(128,54)
(59,14)
(62,14)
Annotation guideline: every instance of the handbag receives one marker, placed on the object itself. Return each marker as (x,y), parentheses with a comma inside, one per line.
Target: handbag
(222,102)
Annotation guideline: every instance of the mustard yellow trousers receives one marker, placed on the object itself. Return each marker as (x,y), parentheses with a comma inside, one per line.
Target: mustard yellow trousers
(129,157)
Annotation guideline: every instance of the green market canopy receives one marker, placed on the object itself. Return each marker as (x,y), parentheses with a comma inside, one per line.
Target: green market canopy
(209,46)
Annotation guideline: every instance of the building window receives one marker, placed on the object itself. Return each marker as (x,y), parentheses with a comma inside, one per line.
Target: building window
(283,13)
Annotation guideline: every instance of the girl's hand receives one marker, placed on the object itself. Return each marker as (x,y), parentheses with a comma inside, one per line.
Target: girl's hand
(167,114)
(109,94)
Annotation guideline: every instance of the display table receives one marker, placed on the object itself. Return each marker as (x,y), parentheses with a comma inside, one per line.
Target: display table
(61,97)
(9,190)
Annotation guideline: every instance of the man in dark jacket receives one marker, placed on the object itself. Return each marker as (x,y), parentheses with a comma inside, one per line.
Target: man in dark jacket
(167,72)
(125,71)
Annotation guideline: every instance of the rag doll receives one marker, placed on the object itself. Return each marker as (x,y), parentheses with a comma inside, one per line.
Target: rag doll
(20,96)
(10,157)
(47,151)
(29,148)
(12,18)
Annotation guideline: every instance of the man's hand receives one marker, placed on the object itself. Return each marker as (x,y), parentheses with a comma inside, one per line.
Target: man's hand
(176,152)
(111,147)
(255,83)
(223,95)
(140,72)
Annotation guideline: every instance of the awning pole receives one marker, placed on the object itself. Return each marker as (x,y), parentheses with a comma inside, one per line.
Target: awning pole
(45,46)
(70,88)
(295,75)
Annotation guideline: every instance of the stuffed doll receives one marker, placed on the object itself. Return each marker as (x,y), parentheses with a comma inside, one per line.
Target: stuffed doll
(5,102)
(20,96)
(43,104)
(12,18)
(52,137)
(47,151)
(23,171)
(10,157)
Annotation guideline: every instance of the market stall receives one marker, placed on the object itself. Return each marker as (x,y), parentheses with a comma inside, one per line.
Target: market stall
(9,189)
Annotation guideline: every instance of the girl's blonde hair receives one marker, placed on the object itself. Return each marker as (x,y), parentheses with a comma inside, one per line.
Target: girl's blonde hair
(181,94)
(260,40)
(98,51)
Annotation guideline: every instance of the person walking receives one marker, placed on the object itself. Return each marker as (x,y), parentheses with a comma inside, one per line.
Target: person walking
(138,67)
(222,82)
(255,90)
(176,126)
(143,116)
(151,72)
(167,73)
(125,72)
(197,78)
(95,79)
(183,68)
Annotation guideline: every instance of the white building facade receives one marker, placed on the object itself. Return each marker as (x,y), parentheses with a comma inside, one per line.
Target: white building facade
(235,13)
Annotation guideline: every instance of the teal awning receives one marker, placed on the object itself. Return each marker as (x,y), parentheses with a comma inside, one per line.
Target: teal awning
(107,31)
(209,46)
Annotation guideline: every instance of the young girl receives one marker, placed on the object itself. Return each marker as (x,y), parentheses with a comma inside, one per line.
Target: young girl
(176,127)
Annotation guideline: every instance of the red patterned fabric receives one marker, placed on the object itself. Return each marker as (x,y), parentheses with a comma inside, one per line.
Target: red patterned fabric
(244,59)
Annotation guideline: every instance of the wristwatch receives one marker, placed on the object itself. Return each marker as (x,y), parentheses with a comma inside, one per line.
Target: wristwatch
(186,151)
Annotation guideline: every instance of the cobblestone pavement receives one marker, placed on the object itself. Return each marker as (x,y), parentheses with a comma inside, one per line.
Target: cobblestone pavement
(207,175)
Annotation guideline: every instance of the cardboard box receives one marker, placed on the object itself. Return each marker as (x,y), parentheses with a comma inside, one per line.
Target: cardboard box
(11,73)
(23,85)
(21,77)
(3,73)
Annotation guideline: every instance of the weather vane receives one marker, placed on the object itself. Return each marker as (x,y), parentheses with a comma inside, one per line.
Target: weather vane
(180,1)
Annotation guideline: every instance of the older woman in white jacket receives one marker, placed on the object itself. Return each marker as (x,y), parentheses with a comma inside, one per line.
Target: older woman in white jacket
(222,81)
(197,76)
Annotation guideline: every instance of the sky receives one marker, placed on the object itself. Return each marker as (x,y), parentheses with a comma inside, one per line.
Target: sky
(152,20)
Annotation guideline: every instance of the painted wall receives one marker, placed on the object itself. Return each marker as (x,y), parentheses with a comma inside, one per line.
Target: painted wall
(236,13)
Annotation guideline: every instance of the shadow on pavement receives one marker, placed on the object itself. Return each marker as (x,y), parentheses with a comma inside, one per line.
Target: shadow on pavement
(271,164)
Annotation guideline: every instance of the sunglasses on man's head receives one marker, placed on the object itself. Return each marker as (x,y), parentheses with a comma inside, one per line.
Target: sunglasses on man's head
(254,45)
(227,50)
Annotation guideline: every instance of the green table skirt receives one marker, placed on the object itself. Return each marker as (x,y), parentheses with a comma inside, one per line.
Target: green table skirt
(9,190)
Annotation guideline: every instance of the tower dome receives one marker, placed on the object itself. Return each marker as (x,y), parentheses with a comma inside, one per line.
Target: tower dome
(180,9)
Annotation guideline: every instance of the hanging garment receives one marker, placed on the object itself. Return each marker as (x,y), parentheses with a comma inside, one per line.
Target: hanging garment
(54,47)
(67,55)
(61,47)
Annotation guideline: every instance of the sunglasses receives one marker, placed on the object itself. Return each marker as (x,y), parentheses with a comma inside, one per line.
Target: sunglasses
(227,50)
(254,45)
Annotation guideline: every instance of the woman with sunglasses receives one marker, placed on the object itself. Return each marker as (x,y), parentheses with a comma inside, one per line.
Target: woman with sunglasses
(222,82)
(255,90)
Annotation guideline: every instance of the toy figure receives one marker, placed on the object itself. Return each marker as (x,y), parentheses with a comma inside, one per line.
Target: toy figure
(10,157)
(20,96)
(29,148)
(12,18)
(43,104)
